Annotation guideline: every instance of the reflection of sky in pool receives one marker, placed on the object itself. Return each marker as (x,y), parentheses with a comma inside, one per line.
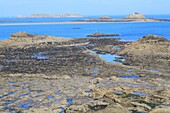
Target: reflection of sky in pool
(23,88)
(118,93)
(96,69)
(58,92)
(109,57)
(69,100)
(139,93)
(88,91)
(26,104)
(130,70)
(130,77)
(1,66)
(10,102)
(11,83)
(11,93)
(40,56)
(153,71)
(62,110)
(56,100)
(49,96)
(22,95)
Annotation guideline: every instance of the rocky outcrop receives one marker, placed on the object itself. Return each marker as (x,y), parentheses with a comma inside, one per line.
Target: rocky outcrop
(149,52)
(98,34)
(152,38)
(21,34)
(24,38)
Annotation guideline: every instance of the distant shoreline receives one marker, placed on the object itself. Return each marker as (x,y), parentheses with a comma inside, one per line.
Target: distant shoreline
(50,16)
(49,23)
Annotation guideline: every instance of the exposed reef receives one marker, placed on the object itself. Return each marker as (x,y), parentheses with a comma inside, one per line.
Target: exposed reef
(98,34)
(58,75)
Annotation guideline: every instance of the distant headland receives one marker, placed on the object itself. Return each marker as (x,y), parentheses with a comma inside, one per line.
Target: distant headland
(134,17)
(51,16)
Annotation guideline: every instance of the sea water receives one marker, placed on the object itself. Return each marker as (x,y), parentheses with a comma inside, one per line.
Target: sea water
(130,31)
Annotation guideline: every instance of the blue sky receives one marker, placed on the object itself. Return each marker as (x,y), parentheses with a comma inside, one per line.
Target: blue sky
(84,7)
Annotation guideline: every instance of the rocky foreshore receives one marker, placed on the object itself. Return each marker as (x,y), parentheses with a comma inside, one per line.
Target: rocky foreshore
(57,75)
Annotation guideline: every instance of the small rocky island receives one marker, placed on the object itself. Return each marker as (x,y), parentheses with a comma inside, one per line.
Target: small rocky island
(47,74)
(134,17)
(98,34)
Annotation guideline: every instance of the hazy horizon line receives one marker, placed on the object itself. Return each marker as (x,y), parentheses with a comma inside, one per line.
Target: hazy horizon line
(83,15)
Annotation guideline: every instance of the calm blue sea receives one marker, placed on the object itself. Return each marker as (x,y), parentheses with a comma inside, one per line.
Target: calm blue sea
(128,31)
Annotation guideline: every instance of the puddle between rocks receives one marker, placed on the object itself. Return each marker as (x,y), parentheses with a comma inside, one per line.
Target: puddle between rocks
(96,69)
(118,93)
(11,93)
(8,103)
(69,100)
(153,71)
(95,72)
(58,92)
(130,70)
(56,100)
(1,67)
(88,91)
(62,110)
(9,109)
(49,96)
(130,77)
(22,95)
(116,48)
(139,93)
(11,83)
(25,105)
(40,56)
(110,58)
(166,105)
